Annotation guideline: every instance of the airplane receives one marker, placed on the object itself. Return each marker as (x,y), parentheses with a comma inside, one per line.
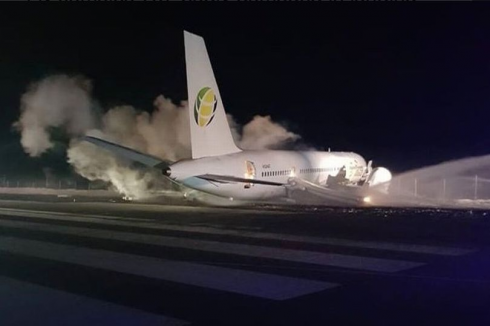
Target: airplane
(220,168)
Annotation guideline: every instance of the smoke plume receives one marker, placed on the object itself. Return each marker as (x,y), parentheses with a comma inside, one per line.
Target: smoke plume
(66,102)
(56,101)
(261,133)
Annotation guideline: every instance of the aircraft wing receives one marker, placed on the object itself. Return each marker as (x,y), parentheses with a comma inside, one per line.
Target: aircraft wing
(128,153)
(339,194)
(231,179)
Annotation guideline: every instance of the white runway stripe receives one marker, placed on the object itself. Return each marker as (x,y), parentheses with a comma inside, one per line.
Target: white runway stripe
(212,277)
(30,304)
(300,256)
(399,247)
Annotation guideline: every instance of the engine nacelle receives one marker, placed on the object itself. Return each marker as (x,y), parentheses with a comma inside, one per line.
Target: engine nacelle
(379,176)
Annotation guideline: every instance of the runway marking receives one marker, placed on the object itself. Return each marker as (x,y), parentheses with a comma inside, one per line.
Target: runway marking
(299,256)
(217,278)
(30,304)
(112,220)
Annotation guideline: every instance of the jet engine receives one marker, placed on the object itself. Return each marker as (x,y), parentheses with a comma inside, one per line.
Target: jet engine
(380,178)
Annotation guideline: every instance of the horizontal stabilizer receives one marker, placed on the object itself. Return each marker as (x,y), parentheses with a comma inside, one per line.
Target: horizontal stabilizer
(228,179)
(128,153)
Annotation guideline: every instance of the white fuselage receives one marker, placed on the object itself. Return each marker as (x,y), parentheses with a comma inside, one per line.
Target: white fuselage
(267,165)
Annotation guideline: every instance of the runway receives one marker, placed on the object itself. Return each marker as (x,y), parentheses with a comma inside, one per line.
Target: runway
(103,263)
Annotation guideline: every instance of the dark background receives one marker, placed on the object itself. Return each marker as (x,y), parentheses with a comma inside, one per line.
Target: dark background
(405,85)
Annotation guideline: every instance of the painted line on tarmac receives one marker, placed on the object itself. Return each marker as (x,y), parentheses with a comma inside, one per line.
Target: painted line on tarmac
(29,304)
(121,221)
(290,255)
(254,284)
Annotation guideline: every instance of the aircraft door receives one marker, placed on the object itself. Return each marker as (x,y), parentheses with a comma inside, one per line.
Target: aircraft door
(250,172)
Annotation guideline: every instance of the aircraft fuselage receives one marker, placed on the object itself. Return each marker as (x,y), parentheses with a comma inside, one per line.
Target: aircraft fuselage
(267,165)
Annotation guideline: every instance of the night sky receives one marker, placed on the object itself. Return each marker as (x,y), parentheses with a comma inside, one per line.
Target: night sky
(404,85)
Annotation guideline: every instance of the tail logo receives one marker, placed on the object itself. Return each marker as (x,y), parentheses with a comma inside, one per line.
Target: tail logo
(205,106)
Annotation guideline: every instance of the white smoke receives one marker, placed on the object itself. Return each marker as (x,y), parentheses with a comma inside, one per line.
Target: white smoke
(163,133)
(95,164)
(262,133)
(56,101)
(65,102)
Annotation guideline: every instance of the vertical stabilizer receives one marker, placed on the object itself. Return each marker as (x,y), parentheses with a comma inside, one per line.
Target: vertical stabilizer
(210,132)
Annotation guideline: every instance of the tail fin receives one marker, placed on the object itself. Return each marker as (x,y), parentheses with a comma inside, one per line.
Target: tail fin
(210,132)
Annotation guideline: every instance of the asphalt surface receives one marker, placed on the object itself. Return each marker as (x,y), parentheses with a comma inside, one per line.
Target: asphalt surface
(97,263)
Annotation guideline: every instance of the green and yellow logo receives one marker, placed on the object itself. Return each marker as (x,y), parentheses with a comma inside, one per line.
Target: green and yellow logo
(205,106)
